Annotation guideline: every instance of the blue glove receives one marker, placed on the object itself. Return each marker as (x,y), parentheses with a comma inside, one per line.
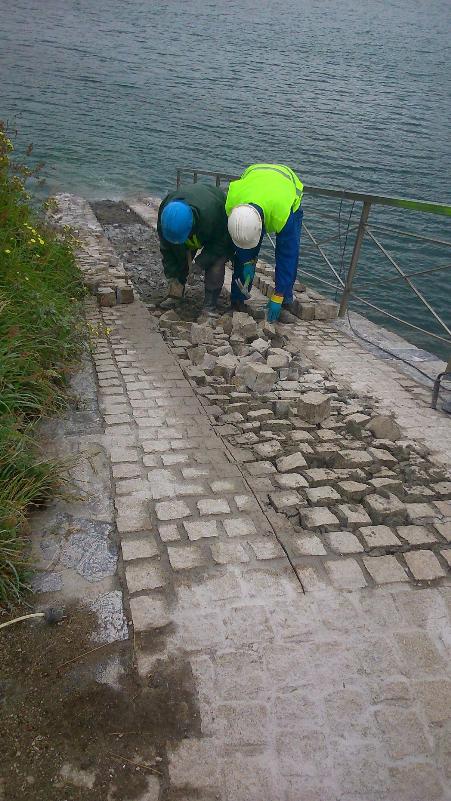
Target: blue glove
(274,308)
(248,272)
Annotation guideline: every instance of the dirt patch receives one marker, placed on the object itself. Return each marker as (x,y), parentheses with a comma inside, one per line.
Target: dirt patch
(66,736)
(110,212)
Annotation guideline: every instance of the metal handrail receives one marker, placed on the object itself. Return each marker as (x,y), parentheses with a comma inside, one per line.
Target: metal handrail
(363,231)
(381,200)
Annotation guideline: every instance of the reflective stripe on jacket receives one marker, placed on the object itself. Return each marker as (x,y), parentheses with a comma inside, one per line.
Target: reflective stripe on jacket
(275,188)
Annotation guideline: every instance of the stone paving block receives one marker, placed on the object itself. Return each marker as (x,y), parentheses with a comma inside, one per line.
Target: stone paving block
(290,463)
(416,535)
(228,552)
(443,528)
(352,515)
(171,510)
(213,506)
(343,542)
(435,699)
(312,578)
(314,407)
(260,468)
(317,476)
(353,490)
(345,574)
(169,459)
(126,470)
(197,529)
(290,480)
(386,508)
(194,763)
(284,499)
(416,781)
(244,724)
(130,520)
(168,532)
(378,536)
(139,547)
(403,731)
(245,503)
(123,454)
(267,548)
(447,555)
(424,565)
(268,450)
(444,508)
(223,485)
(319,517)
(144,575)
(419,653)
(308,545)
(186,557)
(149,612)
(419,511)
(239,526)
(322,496)
(384,569)
(353,458)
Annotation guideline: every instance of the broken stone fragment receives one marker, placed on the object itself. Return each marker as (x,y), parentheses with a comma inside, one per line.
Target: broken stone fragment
(314,407)
(384,427)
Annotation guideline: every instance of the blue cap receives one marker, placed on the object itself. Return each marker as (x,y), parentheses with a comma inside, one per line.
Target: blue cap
(176,222)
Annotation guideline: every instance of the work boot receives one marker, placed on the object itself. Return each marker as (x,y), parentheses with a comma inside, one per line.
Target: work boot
(238,305)
(209,307)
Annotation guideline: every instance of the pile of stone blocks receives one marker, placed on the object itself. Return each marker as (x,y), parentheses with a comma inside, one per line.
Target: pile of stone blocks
(103,271)
(308,304)
(361,504)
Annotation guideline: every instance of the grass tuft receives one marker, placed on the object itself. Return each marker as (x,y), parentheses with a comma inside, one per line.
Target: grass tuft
(42,333)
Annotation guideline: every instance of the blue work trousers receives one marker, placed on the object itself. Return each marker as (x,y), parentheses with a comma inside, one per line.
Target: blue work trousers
(288,243)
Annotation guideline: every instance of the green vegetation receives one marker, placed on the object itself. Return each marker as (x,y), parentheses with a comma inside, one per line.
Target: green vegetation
(41,335)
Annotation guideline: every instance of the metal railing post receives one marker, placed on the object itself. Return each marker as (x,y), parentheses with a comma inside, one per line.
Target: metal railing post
(218,180)
(354,258)
(179,178)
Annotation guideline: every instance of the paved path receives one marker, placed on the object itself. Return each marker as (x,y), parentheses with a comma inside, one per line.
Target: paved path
(329,690)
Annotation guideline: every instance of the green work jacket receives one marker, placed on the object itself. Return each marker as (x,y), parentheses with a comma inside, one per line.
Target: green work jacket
(209,232)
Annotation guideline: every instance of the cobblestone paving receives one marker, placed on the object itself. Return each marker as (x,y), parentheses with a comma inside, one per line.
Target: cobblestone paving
(300,569)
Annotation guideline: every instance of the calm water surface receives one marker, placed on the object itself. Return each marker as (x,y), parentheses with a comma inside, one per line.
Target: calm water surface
(354,94)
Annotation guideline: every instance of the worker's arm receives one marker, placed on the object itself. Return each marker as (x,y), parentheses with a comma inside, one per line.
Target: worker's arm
(174,261)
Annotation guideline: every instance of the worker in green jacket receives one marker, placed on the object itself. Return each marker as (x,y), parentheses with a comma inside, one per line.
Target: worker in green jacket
(190,220)
(266,199)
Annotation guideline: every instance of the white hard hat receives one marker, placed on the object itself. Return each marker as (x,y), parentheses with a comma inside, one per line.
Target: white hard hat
(245,226)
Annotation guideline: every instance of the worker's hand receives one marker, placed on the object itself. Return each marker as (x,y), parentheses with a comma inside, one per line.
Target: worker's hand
(274,307)
(248,272)
(175,289)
